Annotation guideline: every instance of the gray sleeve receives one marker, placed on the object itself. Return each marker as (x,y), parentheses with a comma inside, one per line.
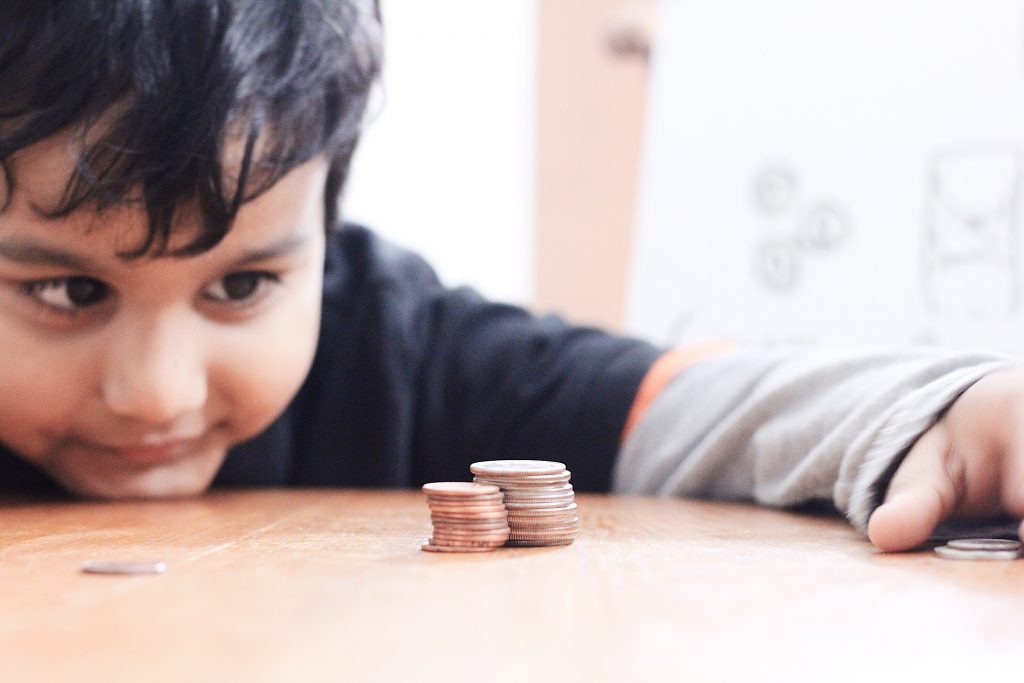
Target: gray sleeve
(790,427)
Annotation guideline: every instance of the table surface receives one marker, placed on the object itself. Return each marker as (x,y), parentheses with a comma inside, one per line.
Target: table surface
(332,585)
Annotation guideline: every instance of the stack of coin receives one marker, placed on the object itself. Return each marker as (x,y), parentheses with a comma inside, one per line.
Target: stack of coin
(467,517)
(980,549)
(538,497)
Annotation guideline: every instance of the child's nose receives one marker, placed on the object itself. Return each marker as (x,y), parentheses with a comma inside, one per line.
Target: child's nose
(155,371)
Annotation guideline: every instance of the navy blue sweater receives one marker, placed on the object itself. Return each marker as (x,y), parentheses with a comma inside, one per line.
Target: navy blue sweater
(412,382)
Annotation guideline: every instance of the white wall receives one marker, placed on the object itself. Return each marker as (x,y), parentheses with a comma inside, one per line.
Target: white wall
(847,171)
(446,166)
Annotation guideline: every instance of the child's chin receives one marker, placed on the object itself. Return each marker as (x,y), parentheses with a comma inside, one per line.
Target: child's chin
(141,486)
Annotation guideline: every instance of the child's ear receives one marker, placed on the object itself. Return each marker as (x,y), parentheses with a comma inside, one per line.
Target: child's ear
(5,185)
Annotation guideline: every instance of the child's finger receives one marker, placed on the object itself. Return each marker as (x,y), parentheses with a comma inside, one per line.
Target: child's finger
(921,495)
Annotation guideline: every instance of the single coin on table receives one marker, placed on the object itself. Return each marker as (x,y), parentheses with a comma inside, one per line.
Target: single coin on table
(984,544)
(94,567)
(948,552)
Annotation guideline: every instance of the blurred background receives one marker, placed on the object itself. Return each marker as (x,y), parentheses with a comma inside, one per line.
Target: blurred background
(775,172)
(504,148)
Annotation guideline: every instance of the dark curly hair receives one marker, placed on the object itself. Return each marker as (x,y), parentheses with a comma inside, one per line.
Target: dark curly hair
(152,91)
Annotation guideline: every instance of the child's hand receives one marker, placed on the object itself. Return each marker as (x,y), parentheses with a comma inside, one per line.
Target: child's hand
(969,464)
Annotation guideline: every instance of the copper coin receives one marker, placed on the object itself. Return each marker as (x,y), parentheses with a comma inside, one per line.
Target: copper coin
(482,499)
(430,547)
(469,531)
(459,543)
(459,488)
(457,517)
(457,531)
(498,505)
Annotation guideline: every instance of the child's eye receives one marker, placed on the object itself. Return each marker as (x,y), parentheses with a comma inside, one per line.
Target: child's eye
(68,294)
(241,288)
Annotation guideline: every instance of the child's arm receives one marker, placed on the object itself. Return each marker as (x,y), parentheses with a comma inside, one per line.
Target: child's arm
(785,428)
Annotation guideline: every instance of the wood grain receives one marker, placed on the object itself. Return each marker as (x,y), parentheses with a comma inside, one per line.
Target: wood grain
(331,585)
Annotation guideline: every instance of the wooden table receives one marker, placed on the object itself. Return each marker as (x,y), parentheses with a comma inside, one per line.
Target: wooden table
(332,585)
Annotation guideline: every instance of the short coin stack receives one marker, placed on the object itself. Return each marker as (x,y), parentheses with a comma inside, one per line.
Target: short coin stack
(467,517)
(980,549)
(538,497)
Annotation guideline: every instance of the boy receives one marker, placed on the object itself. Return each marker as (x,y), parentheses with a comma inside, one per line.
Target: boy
(178,308)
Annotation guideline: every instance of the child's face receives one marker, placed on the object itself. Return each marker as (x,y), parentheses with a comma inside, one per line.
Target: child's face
(132,378)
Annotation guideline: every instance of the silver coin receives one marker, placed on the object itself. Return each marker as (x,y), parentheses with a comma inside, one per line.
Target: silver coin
(533,483)
(984,544)
(124,567)
(516,467)
(949,553)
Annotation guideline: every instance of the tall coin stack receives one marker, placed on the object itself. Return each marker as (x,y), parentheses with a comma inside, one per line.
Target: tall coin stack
(467,517)
(538,497)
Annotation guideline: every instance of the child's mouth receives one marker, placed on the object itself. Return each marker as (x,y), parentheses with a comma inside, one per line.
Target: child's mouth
(149,450)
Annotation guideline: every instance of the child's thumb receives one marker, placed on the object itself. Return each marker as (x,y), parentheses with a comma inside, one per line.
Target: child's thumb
(921,495)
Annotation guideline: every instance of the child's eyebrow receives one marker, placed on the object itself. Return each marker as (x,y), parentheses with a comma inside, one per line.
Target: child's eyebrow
(32,254)
(270,251)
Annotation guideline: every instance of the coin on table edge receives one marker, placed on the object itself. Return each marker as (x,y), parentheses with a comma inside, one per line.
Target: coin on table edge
(459,488)
(430,547)
(471,540)
(134,568)
(499,467)
(449,543)
(984,544)
(461,543)
(948,553)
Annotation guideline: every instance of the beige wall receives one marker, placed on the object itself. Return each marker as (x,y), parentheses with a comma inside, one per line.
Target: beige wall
(590,111)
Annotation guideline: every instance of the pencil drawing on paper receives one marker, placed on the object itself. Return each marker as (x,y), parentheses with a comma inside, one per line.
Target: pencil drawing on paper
(970,265)
(819,228)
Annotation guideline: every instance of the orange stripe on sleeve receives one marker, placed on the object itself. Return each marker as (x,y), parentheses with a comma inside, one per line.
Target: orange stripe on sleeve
(667,366)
